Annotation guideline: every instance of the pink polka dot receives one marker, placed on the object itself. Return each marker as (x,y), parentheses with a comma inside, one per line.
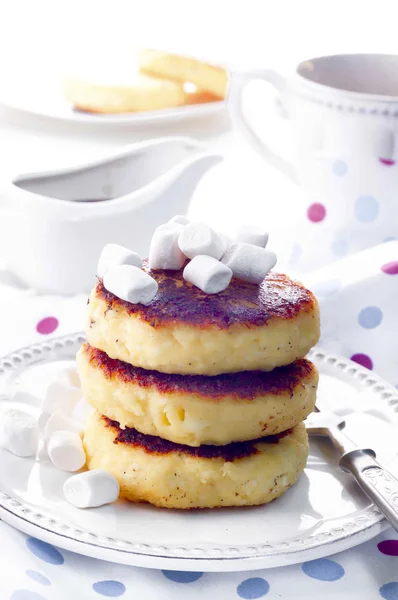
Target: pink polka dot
(390,268)
(47,325)
(316,212)
(363,359)
(388,162)
(389,547)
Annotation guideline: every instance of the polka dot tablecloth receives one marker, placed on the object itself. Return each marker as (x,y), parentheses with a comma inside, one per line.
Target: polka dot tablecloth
(34,570)
(358,297)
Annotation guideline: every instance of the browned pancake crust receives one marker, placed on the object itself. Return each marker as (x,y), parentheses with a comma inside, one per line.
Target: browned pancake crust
(242,385)
(242,303)
(156,445)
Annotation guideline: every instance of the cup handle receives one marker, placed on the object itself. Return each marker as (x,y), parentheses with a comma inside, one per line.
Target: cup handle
(239,82)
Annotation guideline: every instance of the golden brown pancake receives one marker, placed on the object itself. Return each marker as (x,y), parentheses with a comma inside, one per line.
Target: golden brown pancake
(165,474)
(183,330)
(198,409)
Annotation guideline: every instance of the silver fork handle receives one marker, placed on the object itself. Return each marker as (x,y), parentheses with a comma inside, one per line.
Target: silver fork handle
(377,483)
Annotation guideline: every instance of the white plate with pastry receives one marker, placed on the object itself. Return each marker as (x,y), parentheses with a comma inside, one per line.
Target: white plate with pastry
(323,513)
(162,87)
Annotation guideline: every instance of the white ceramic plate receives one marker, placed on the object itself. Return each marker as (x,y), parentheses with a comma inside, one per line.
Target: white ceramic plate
(323,513)
(44,99)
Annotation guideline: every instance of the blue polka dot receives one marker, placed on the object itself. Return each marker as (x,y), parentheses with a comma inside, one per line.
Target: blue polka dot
(339,247)
(390,238)
(255,587)
(370,317)
(296,254)
(323,569)
(26,595)
(38,577)
(110,588)
(182,576)
(45,551)
(339,168)
(326,288)
(366,209)
(389,591)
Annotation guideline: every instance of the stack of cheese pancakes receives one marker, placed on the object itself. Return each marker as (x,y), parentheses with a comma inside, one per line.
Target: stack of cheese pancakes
(200,397)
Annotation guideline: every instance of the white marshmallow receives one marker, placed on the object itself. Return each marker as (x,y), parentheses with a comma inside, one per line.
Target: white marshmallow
(42,422)
(180,219)
(249,263)
(66,452)
(91,489)
(82,411)
(225,240)
(208,274)
(60,397)
(251,235)
(114,255)
(131,284)
(19,433)
(60,422)
(164,252)
(69,377)
(198,238)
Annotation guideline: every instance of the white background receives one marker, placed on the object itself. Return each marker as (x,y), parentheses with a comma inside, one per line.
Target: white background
(41,41)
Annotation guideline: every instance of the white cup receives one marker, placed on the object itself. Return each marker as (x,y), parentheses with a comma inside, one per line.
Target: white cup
(343,113)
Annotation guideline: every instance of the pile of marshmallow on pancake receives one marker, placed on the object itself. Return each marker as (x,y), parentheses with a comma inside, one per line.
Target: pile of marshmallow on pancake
(214,259)
(56,435)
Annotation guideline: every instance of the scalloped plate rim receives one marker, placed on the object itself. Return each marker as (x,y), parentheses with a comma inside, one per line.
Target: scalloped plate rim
(152,558)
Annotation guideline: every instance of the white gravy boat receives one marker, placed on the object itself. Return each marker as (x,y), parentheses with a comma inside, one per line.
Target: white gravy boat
(53,225)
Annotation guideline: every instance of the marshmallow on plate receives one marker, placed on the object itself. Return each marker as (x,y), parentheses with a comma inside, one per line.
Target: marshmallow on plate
(251,235)
(114,255)
(249,263)
(66,452)
(82,411)
(208,274)
(60,397)
(19,433)
(60,422)
(179,219)
(131,284)
(69,377)
(91,489)
(198,238)
(164,252)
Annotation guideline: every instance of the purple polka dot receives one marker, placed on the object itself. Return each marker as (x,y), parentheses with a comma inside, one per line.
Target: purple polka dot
(387,162)
(110,588)
(390,268)
(363,359)
(47,325)
(255,587)
(366,209)
(389,591)
(323,569)
(370,317)
(316,212)
(339,168)
(389,547)
(38,577)
(182,576)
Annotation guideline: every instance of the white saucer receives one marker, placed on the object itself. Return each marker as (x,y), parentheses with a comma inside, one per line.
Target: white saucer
(44,99)
(324,513)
